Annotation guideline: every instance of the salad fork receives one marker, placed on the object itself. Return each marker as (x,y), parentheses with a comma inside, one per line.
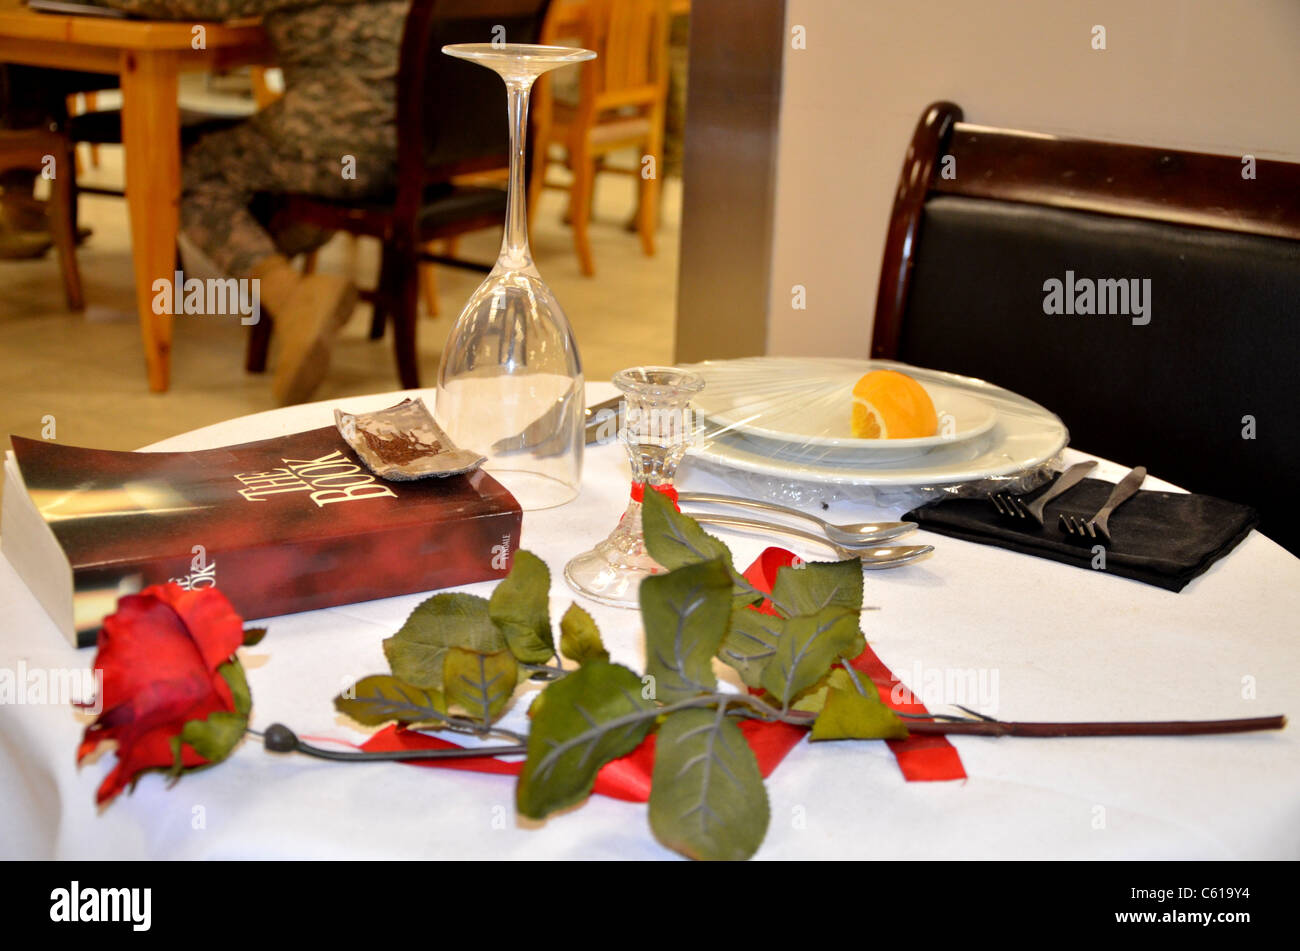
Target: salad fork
(1098,526)
(1014,507)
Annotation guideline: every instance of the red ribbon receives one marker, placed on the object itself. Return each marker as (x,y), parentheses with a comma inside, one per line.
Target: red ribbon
(921,758)
(666,490)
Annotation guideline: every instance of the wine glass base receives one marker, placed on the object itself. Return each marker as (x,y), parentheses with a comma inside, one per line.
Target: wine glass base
(533,490)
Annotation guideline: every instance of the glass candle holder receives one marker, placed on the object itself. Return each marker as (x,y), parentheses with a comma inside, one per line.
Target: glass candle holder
(657,428)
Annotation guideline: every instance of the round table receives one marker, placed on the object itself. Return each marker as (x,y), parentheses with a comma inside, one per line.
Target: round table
(1039,640)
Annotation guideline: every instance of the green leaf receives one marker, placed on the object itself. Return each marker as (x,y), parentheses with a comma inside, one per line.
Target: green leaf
(379,698)
(232,671)
(481,684)
(253,635)
(676,540)
(807,648)
(854,681)
(686,614)
(520,606)
(580,638)
(812,699)
(816,585)
(751,643)
(587,718)
(418,651)
(178,765)
(856,714)
(707,799)
(215,737)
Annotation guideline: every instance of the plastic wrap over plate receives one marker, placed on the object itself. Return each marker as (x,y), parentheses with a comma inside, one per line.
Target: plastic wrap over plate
(777,428)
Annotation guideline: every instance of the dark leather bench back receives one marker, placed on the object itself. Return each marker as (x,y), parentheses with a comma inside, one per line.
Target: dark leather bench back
(1150,297)
(1214,358)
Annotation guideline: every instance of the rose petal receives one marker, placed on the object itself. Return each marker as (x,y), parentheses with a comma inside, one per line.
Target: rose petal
(149,662)
(210,617)
(151,751)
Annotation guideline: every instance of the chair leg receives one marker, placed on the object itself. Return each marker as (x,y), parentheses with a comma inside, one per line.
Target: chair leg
(429,277)
(405,314)
(73,108)
(584,175)
(383,296)
(63,230)
(92,100)
(429,274)
(378,320)
(536,184)
(259,344)
(429,288)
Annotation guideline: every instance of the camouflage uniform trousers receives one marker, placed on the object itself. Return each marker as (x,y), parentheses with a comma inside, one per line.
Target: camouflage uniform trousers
(230,180)
(675,111)
(339,59)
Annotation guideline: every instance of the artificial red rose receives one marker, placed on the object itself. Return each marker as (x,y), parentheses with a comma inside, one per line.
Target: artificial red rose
(159,655)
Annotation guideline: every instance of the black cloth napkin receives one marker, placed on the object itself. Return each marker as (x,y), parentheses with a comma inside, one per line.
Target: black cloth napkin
(1160,538)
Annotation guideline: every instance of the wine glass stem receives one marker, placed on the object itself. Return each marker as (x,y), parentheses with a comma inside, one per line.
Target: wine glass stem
(515,253)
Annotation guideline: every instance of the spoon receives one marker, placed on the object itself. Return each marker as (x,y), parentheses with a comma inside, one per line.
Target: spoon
(858,533)
(884,557)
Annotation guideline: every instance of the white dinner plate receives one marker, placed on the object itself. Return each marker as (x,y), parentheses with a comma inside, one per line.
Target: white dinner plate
(1023,434)
(808,403)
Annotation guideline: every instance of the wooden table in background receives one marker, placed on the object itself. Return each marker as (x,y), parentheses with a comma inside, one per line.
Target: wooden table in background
(148,57)
(565,17)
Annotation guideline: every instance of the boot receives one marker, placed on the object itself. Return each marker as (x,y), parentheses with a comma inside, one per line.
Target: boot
(309,310)
(22,245)
(29,214)
(18,243)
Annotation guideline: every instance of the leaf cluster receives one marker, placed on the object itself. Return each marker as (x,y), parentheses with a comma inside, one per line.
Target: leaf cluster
(707,796)
(456,661)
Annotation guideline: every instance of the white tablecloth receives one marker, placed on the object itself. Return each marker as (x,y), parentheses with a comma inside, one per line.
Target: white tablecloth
(1063,643)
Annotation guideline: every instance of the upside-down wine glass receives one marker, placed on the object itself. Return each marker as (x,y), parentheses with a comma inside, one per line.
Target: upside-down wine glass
(657,430)
(510,383)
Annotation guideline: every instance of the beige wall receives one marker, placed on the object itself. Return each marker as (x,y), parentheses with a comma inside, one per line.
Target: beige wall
(1209,75)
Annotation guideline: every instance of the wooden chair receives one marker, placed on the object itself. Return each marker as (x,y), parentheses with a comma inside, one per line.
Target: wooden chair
(623,95)
(32,149)
(1199,388)
(451,121)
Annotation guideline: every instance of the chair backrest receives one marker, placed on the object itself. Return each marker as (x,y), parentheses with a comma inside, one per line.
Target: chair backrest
(451,114)
(630,38)
(1148,296)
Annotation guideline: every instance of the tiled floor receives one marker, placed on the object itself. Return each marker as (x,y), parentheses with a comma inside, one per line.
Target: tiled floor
(87,370)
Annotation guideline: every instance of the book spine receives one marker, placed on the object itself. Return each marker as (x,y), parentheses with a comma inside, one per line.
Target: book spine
(307,575)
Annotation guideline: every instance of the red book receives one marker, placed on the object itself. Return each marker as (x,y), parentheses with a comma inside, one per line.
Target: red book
(283,525)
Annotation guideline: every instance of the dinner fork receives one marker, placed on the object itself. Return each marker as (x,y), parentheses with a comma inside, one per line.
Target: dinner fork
(1098,525)
(1015,507)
